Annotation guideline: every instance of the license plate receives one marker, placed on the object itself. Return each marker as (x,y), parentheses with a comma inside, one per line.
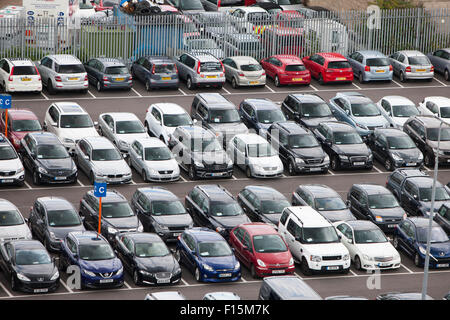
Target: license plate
(442,265)
(73,79)
(297,79)
(254,82)
(421,70)
(380,71)
(358,163)
(333,268)
(216,174)
(224,275)
(60,178)
(315,169)
(176,234)
(106,280)
(381,264)
(165,78)
(7,181)
(211,77)
(26,79)
(163,281)
(119,79)
(391,225)
(40,290)
(341,78)
(411,164)
(277,271)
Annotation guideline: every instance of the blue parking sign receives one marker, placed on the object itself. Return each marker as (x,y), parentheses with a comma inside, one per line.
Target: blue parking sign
(100,189)
(5,101)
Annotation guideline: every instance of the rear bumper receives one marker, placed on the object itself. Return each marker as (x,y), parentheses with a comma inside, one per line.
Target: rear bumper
(337,77)
(416,75)
(288,79)
(118,85)
(29,87)
(370,76)
(164,83)
(62,86)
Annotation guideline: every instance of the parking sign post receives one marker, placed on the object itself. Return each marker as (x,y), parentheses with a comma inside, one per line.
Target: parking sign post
(5,103)
(99,192)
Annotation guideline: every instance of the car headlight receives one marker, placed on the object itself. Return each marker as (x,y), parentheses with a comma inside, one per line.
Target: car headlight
(198,164)
(423,250)
(299,161)
(261,263)
(55,276)
(367,257)
(256,167)
(237,265)
(379,219)
(89,273)
(74,169)
(342,157)
(316,258)
(161,227)
(370,156)
(396,256)
(346,256)
(145,273)
(120,271)
(396,157)
(420,156)
(177,271)
(67,140)
(207,267)
(291,261)
(153,172)
(326,159)
(42,170)
(112,230)
(21,170)
(22,277)
(140,228)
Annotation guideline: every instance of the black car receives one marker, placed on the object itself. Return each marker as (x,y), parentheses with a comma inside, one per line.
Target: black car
(308,110)
(344,146)
(212,206)
(298,148)
(160,211)
(47,159)
(286,288)
(117,215)
(443,217)
(262,204)
(395,149)
(146,257)
(259,114)
(323,199)
(377,204)
(402,296)
(108,73)
(51,219)
(28,266)
(156,72)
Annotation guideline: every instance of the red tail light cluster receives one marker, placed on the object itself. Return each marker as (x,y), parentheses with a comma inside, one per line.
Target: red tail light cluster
(367,68)
(390,68)
(10,77)
(408,69)
(153,69)
(198,68)
(432,69)
(58,79)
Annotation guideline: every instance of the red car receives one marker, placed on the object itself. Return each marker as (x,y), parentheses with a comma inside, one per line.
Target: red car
(286,69)
(329,67)
(20,122)
(260,248)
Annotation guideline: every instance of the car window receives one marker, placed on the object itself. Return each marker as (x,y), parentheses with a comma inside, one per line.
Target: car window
(144,203)
(294,229)
(239,234)
(284,217)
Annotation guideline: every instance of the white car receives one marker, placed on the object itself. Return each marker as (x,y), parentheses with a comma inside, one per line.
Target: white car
(368,246)
(19,75)
(11,168)
(69,122)
(153,160)
(12,223)
(162,119)
(248,19)
(397,109)
(121,128)
(436,106)
(313,241)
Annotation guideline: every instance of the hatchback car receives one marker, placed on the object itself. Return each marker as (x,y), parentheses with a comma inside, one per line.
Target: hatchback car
(156,72)
(259,114)
(411,64)
(441,61)
(329,67)
(11,168)
(402,296)
(370,66)
(20,122)
(286,69)
(443,217)
(398,109)
(12,224)
(200,44)
(108,73)
(243,71)
(436,106)
(286,288)
(19,75)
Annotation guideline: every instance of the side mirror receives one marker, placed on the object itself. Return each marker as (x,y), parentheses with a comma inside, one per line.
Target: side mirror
(415,196)
(53,124)
(180,153)
(86,157)
(95,123)
(350,241)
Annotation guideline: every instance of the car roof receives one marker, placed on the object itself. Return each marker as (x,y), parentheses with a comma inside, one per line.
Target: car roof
(110,62)
(292,127)
(87,237)
(63,59)
(215,100)
(398,100)
(139,237)
(197,131)
(320,190)
(204,234)
(20,62)
(283,285)
(371,54)
(253,9)
(428,121)
(411,53)
(249,138)
(204,56)
(159,59)
(223,295)
(168,295)
(215,192)
(21,114)
(55,203)
(266,193)
(169,108)
(7,205)
(262,103)
(67,107)
(288,58)
(406,295)
(117,116)
(26,244)
(424,182)
(258,228)
(421,222)
(441,101)
(240,60)
(151,142)
(157,193)
(112,195)
(307,97)
(267,5)
(42,137)
(4,140)
(332,56)
(391,132)
(361,224)
(309,217)
(372,189)
(338,126)
(99,142)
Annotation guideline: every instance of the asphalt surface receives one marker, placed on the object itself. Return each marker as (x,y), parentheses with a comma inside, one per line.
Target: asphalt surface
(406,279)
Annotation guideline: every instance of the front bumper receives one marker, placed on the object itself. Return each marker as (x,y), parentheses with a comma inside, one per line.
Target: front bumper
(261,173)
(351,164)
(274,271)
(206,173)
(170,235)
(163,177)
(378,265)
(38,286)
(160,277)
(329,266)
(114,180)
(17,178)
(54,179)
(221,276)
(408,163)
(99,282)
(388,226)
(305,167)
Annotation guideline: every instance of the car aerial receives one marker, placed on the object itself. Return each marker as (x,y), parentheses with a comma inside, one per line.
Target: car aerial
(402,296)
(121,128)
(20,122)
(411,237)
(306,109)
(255,156)
(413,189)
(441,61)
(436,106)
(243,44)
(369,248)
(156,72)
(160,211)
(323,199)
(244,71)
(370,66)
(101,161)
(198,152)
(221,295)
(344,146)
(286,69)
(70,122)
(358,111)
(411,64)
(117,216)
(218,115)
(200,70)
(207,255)
(46,158)
(12,224)
(11,168)
(424,131)
(214,207)
(313,241)
(261,249)
(259,114)
(443,217)
(51,219)
(249,19)
(108,73)
(152,159)
(262,204)
(63,72)
(91,252)
(146,257)
(397,109)
(286,288)
(19,75)
(395,149)
(329,67)
(298,148)
(166,295)
(200,45)
(28,266)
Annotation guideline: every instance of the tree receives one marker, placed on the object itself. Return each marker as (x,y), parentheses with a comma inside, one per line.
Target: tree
(394,4)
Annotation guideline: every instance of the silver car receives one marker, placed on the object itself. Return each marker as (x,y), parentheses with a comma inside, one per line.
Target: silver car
(411,64)
(370,66)
(197,45)
(441,61)
(244,71)
(12,224)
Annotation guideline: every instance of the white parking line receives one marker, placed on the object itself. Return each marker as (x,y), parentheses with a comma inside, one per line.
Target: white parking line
(401,86)
(185,283)
(135,91)
(184,93)
(271,90)
(65,286)
(331,172)
(132,182)
(242,278)
(375,167)
(80,183)
(28,185)
(46,98)
(359,88)
(297,275)
(406,268)
(283,175)
(127,285)
(314,88)
(353,273)
(6,290)
(181,177)
(233,177)
(428,169)
(226,90)
(92,95)
(440,82)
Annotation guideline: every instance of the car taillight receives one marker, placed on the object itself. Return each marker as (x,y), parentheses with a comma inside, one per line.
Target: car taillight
(367,68)
(241,75)
(408,69)
(223,68)
(263,74)
(85,78)
(198,68)
(176,69)
(10,77)
(432,69)
(105,79)
(58,79)
(390,68)
(153,69)
(131,78)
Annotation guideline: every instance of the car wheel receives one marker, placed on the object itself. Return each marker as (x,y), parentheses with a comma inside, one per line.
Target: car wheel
(335,165)
(13,283)
(144,176)
(177,255)
(446,75)
(36,179)
(197,274)
(291,168)
(321,79)
(428,160)
(147,85)
(277,81)
(361,78)
(357,263)
(234,83)
(388,164)
(417,260)
(92,178)
(137,278)
(248,172)
(253,272)
(402,77)
(50,88)
(128,160)
(99,86)
(189,83)
(192,174)
(305,268)
(395,242)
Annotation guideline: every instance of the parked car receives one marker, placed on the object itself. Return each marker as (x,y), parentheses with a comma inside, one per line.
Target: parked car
(411,64)
(402,296)
(156,72)
(286,69)
(437,107)
(147,258)
(260,113)
(20,122)
(242,44)
(207,255)
(221,295)
(19,75)
(244,71)
(345,298)
(443,217)
(199,45)
(249,19)
(397,109)
(441,61)
(189,6)
(369,65)
(329,67)
(12,224)
(108,73)
(165,295)
(286,288)
(271,7)
(213,24)
(11,168)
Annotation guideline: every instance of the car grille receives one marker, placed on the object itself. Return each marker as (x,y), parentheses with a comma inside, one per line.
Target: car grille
(163,275)
(383,259)
(224,270)
(397,220)
(216,167)
(105,274)
(447,153)
(313,161)
(127,230)
(442,260)
(358,159)
(177,228)
(115,175)
(270,168)
(328,258)
(165,172)
(60,172)
(7,173)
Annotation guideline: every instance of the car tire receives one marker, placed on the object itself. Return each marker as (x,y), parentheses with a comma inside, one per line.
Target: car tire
(291,168)
(305,268)
(50,88)
(321,79)
(192,174)
(13,283)
(91,178)
(417,260)
(36,179)
(137,278)
(99,86)
(148,87)
(388,164)
(253,272)
(197,275)
(189,84)
(446,75)
(248,172)
(428,160)
(277,81)
(361,78)
(358,263)
(395,243)
(234,83)
(144,176)
(402,77)
(335,165)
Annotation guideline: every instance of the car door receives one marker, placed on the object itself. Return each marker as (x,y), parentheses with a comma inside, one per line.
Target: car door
(51,121)
(409,197)
(443,218)
(380,148)
(126,252)
(237,242)
(142,207)
(89,67)
(7,259)
(41,222)
(190,254)
(355,204)
(229,70)
(136,154)
(28,152)
(240,153)
(292,235)
(347,239)
(182,66)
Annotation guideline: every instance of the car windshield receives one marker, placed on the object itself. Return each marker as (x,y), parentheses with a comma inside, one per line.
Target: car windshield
(26,125)
(128,127)
(378,62)
(365,110)
(76,121)
(315,110)
(419,61)
(437,235)
(149,250)
(347,138)
(225,209)
(400,142)
(116,70)
(202,44)
(432,134)
(251,67)
(101,251)
(329,204)
(303,141)
(320,235)
(158,154)
(205,145)
(441,194)
(70,68)
(270,116)
(214,249)
(191,5)
(382,201)
(274,206)
(24,71)
(164,68)
(175,120)
(261,150)
(7,153)
(224,116)
(116,210)
(167,208)
(295,67)
(338,65)
(63,218)
(269,243)
(32,257)
(52,152)
(445,112)
(405,111)
(370,236)
(10,218)
(106,155)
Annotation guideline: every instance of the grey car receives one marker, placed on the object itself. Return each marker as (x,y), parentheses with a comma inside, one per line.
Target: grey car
(213,24)
(108,73)
(441,62)
(244,71)
(370,66)
(155,72)
(243,44)
(197,45)
(411,64)
(12,224)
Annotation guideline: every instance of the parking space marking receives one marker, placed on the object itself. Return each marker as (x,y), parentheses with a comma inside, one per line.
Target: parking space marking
(409,270)
(233,177)
(135,91)
(46,98)
(353,273)
(132,182)
(28,185)
(127,285)
(80,183)
(185,283)
(243,280)
(298,275)
(184,93)
(271,90)
(331,172)
(224,89)
(375,167)
(92,95)
(440,82)
(65,286)
(181,177)
(6,290)
(401,86)
(314,88)
(428,169)
(359,88)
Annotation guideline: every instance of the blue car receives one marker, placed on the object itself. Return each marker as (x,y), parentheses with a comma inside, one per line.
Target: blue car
(369,65)
(156,72)
(411,237)
(207,255)
(99,265)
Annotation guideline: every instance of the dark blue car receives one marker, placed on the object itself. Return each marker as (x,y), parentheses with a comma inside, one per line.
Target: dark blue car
(260,113)
(156,72)
(411,237)
(206,254)
(99,265)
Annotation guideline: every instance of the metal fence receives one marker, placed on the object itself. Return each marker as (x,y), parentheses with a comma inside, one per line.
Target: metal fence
(225,34)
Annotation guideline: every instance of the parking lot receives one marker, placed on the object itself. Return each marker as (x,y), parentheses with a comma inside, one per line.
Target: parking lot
(407,279)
